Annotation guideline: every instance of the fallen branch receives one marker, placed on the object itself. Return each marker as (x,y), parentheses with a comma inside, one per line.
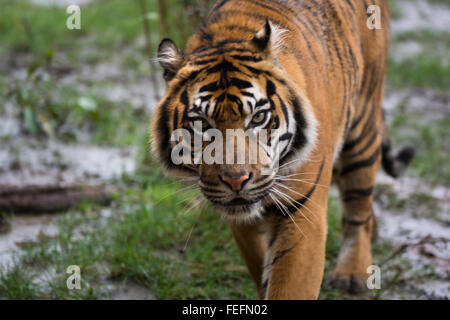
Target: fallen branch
(37,199)
(403,247)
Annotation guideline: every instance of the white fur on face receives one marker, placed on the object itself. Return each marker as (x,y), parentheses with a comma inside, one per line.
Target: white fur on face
(240,217)
(303,155)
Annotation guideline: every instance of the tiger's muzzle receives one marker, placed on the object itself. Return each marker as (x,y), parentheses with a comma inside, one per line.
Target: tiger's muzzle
(237,191)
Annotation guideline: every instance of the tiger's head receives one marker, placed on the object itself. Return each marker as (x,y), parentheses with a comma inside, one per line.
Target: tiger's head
(238,88)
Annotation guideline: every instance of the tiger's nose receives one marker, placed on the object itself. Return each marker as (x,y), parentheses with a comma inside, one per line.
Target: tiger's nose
(235,183)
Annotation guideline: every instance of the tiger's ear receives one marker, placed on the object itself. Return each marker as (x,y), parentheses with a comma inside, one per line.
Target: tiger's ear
(262,37)
(268,39)
(170,58)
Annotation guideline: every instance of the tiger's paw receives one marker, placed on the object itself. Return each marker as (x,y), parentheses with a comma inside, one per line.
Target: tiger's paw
(350,282)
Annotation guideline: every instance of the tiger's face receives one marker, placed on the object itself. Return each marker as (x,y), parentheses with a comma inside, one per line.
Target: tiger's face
(231,120)
(241,109)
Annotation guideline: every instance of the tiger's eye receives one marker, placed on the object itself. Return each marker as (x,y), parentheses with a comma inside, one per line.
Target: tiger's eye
(259,118)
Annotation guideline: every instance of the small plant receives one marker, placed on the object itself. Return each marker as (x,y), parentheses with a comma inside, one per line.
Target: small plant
(5,223)
(33,95)
(45,107)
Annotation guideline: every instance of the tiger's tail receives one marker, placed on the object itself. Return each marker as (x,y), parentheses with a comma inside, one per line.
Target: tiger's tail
(395,164)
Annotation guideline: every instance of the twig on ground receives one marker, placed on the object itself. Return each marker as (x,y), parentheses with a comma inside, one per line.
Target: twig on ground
(403,247)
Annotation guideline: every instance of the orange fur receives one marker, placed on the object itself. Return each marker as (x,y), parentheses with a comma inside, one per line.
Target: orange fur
(318,60)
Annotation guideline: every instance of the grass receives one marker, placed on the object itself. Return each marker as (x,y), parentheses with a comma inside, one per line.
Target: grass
(34,28)
(430,137)
(18,285)
(143,241)
(50,108)
(424,71)
(53,108)
(424,37)
(429,70)
(107,25)
(418,204)
(432,157)
(395,12)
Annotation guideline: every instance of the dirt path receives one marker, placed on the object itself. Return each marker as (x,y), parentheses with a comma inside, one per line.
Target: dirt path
(415,218)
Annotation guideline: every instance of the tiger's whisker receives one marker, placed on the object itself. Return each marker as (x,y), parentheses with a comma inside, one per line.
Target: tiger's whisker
(304,181)
(196,202)
(297,160)
(193,186)
(292,201)
(188,238)
(301,195)
(287,213)
(301,204)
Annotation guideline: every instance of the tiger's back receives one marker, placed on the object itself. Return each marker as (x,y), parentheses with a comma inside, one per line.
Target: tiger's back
(327,49)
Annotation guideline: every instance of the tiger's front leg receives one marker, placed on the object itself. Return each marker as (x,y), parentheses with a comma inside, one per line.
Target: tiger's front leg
(295,259)
(251,241)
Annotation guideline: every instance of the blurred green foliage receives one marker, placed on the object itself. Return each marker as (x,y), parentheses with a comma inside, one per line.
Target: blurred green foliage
(36,42)
(28,27)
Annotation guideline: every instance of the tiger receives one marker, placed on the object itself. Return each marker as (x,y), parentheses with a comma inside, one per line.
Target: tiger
(311,73)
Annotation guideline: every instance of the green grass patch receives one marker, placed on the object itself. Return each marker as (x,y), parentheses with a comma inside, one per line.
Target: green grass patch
(429,69)
(17,284)
(34,28)
(144,240)
(424,37)
(424,71)
(49,107)
(418,204)
(395,11)
(431,139)
(107,25)
(149,239)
